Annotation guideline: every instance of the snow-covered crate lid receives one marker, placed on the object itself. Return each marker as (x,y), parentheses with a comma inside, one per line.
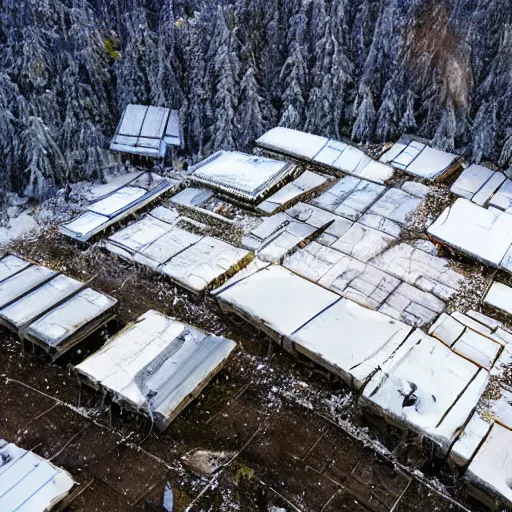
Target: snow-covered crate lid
(292,142)
(72,321)
(339,156)
(156,365)
(248,177)
(42,299)
(417,158)
(10,265)
(29,482)
(24,282)
(116,205)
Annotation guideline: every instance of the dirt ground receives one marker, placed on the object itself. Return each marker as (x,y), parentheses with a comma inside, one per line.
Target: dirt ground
(291,438)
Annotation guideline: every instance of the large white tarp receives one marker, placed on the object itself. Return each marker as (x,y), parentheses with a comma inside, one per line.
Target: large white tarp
(350,340)
(276,300)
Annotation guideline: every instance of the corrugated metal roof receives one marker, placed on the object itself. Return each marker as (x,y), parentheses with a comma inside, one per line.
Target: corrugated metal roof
(248,177)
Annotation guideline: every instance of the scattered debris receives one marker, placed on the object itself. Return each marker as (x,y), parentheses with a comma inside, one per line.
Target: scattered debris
(206,463)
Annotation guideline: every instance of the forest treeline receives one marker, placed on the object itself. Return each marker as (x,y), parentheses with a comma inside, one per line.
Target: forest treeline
(366,69)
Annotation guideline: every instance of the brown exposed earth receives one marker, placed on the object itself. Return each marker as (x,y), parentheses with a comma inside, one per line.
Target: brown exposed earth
(293,437)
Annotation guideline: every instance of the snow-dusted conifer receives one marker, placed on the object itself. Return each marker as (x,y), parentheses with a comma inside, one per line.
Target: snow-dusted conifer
(226,75)
(364,124)
(484,132)
(249,115)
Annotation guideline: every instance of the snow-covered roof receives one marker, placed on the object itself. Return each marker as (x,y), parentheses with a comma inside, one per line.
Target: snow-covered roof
(116,205)
(147,131)
(156,365)
(28,482)
(248,177)
(338,155)
(419,159)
